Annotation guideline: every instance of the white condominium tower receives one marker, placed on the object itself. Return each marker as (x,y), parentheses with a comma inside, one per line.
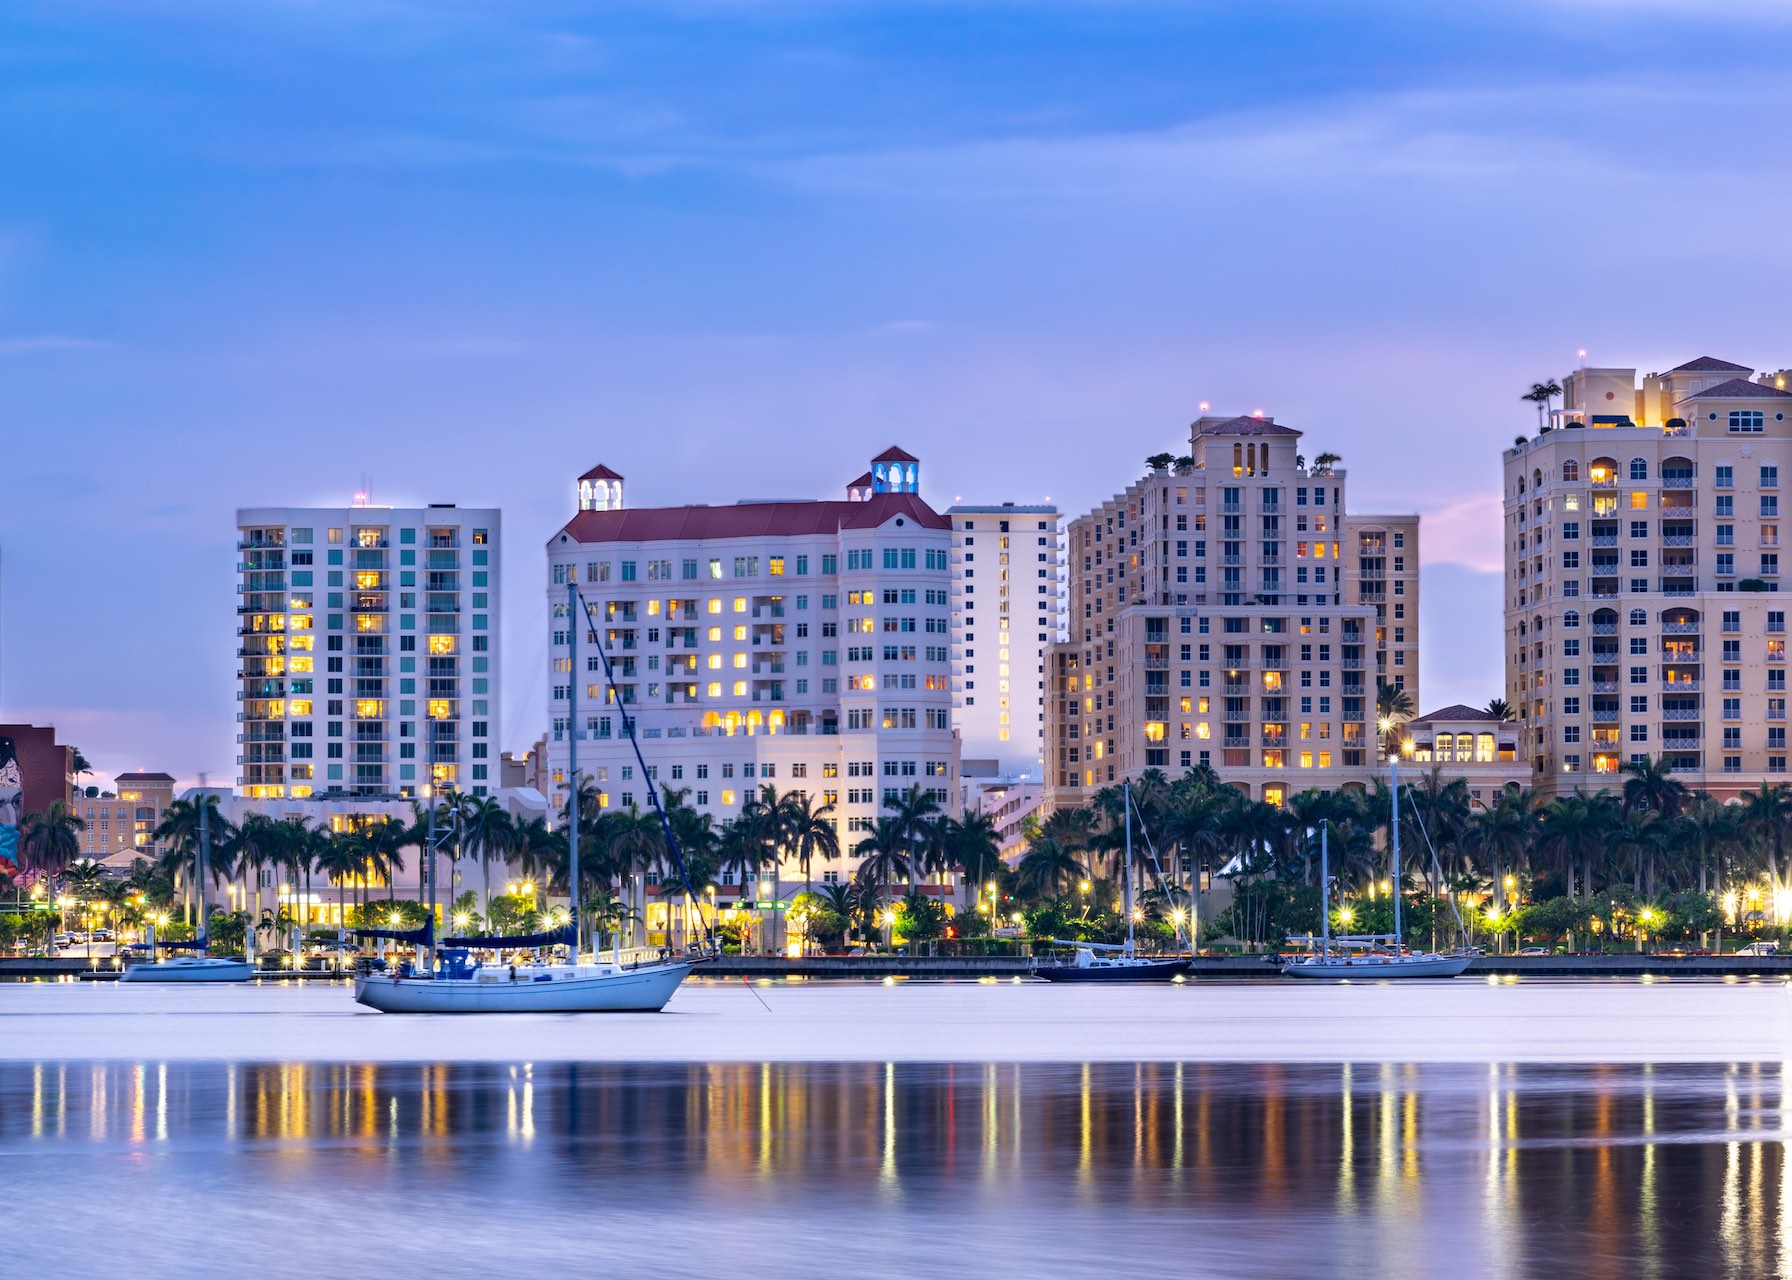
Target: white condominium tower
(1007,608)
(805,645)
(1643,609)
(368,650)
(1229,610)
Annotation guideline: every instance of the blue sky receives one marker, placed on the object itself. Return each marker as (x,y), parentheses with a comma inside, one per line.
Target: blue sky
(251,253)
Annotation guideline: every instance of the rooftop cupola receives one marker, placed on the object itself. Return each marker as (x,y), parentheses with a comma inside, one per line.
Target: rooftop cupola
(896,471)
(600,489)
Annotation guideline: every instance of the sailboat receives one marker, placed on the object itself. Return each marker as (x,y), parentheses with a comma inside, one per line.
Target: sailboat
(196,966)
(450,980)
(1367,955)
(1114,961)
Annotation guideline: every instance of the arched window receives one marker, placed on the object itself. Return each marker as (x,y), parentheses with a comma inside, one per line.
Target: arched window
(1638,618)
(1465,748)
(1639,468)
(1445,741)
(1484,748)
(1537,479)
(1571,619)
(1571,470)
(1521,487)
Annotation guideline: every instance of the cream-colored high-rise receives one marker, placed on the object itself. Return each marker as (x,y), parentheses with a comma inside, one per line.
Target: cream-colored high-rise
(1227,609)
(1643,606)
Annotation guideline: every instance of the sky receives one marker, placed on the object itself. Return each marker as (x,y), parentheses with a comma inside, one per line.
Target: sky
(463,250)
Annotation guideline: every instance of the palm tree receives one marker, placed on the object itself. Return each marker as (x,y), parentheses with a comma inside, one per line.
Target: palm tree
(973,845)
(1572,831)
(1499,709)
(884,857)
(917,814)
(486,832)
(810,831)
(341,859)
(1047,867)
(51,840)
(1540,394)
(1501,833)
(1649,785)
(1768,814)
(1323,464)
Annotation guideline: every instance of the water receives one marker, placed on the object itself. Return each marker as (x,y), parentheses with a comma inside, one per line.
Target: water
(199,1168)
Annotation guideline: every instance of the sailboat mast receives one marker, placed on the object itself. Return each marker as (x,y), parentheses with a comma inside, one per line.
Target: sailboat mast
(205,863)
(429,856)
(575,623)
(1325,886)
(1127,789)
(1394,840)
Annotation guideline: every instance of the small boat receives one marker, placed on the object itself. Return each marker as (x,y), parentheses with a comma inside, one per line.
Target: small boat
(1089,966)
(1114,961)
(196,967)
(1370,956)
(449,980)
(1367,955)
(189,969)
(461,986)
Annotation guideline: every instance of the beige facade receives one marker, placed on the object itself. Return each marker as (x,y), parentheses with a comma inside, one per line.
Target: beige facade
(121,823)
(1229,610)
(1643,606)
(1007,609)
(1471,744)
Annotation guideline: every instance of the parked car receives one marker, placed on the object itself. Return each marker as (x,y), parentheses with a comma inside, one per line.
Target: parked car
(64,940)
(1535,951)
(1759,949)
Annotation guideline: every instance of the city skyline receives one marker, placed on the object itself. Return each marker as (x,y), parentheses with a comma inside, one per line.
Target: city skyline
(633,240)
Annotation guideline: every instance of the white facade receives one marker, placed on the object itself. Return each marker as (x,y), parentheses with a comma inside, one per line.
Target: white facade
(1007,609)
(801,645)
(365,635)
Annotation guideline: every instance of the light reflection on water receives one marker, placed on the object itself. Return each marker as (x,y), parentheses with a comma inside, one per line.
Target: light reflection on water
(885,1169)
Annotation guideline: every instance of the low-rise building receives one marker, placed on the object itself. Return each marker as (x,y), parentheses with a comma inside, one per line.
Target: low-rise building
(1468,743)
(121,823)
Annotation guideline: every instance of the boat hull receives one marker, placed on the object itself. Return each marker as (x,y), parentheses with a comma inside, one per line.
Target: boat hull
(642,990)
(1378,967)
(1143,971)
(189,969)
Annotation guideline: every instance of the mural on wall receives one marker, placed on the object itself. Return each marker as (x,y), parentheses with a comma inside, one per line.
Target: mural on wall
(12,799)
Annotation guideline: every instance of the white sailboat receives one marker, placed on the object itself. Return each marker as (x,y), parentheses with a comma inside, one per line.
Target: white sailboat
(451,981)
(1367,955)
(197,966)
(1114,961)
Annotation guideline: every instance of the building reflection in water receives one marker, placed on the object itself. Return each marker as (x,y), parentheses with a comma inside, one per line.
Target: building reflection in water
(1387,1169)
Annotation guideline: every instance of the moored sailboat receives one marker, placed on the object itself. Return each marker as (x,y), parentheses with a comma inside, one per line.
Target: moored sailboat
(450,980)
(1113,961)
(1368,955)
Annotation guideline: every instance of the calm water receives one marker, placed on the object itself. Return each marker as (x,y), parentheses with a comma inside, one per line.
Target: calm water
(873,1170)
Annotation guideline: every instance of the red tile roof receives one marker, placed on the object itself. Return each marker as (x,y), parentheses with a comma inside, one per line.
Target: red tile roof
(1738,389)
(1455,711)
(863,482)
(1247,425)
(1710,364)
(749,520)
(895,454)
(600,472)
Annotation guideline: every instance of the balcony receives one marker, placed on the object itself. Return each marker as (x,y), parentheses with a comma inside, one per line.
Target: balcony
(1677,540)
(1681,713)
(1676,482)
(1680,628)
(1605,686)
(1605,628)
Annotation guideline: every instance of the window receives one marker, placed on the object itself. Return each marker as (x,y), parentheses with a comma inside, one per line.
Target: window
(1725,478)
(1745,422)
(1570,471)
(1639,469)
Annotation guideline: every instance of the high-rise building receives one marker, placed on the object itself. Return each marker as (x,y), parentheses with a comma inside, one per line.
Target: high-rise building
(1228,609)
(1007,608)
(803,645)
(368,643)
(1643,613)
